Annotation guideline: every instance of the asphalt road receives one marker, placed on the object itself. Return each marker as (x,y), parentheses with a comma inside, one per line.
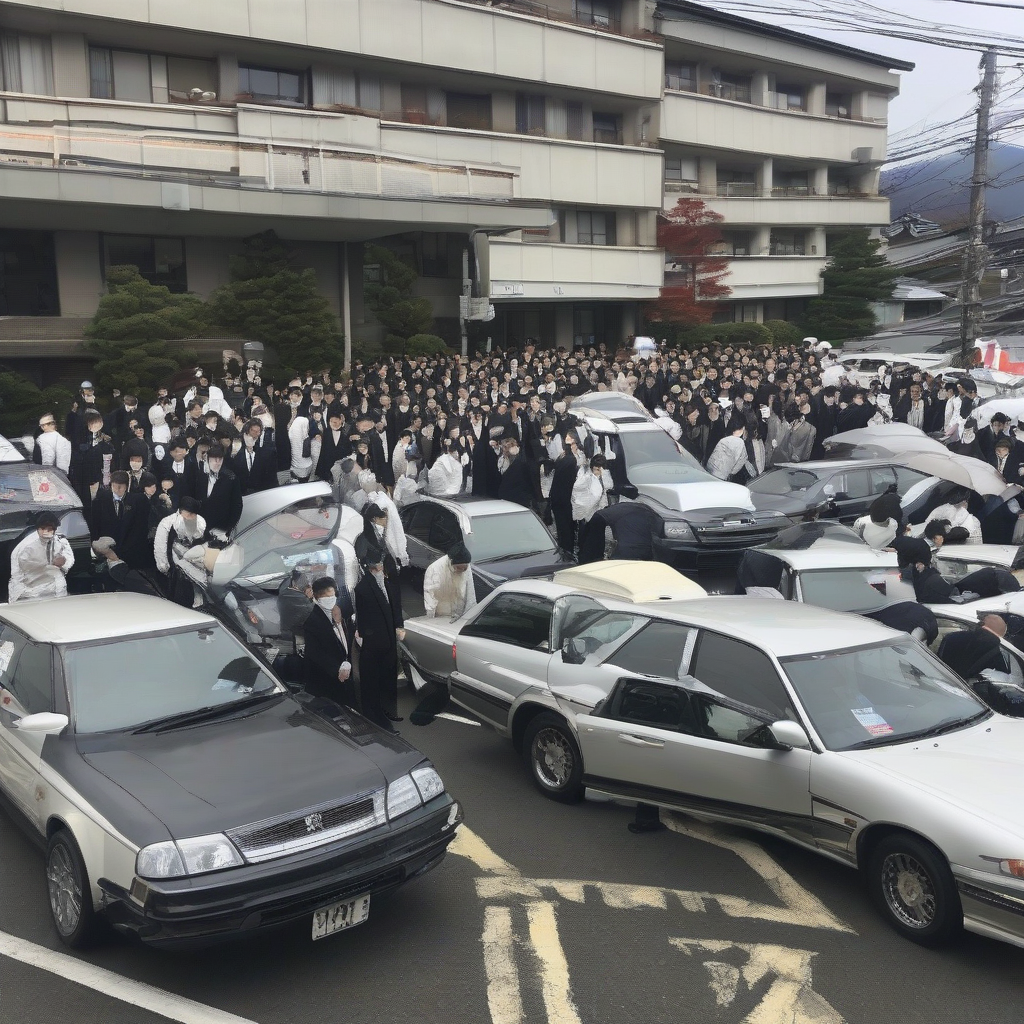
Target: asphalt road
(541,913)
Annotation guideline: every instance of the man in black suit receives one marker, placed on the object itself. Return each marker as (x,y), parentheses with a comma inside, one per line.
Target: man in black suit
(255,464)
(180,466)
(328,647)
(334,445)
(1007,458)
(122,517)
(220,493)
(563,479)
(379,623)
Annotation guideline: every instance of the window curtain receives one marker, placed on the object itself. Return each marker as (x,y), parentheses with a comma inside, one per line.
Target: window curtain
(28,64)
(334,87)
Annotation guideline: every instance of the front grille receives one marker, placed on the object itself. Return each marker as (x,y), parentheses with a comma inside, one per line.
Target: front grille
(742,535)
(309,828)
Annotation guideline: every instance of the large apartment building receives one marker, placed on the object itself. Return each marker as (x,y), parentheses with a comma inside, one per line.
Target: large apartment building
(532,144)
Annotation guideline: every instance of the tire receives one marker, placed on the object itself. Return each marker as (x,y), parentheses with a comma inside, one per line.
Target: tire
(553,758)
(69,892)
(914,890)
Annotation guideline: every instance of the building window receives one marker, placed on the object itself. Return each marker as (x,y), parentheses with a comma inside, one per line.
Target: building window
(838,104)
(101,74)
(469,110)
(600,13)
(159,260)
(28,274)
(746,312)
(191,80)
(790,97)
(530,114)
(730,87)
(126,75)
(680,168)
(595,227)
(791,183)
(607,128)
(737,183)
(574,121)
(27,64)
(788,243)
(438,253)
(682,77)
(272,85)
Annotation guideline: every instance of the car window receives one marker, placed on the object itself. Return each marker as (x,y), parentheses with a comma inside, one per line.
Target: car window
(417,520)
(882,477)
(854,483)
(660,649)
(907,478)
(784,481)
(742,673)
(852,590)
(522,620)
(730,725)
(445,531)
(25,671)
(274,545)
(604,630)
(507,535)
(654,704)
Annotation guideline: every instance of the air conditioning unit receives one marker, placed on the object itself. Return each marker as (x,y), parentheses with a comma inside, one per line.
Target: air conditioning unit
(863,155)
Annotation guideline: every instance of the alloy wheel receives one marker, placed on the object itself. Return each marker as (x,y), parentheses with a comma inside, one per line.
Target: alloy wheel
(908,890)
(65,890)
(553,758)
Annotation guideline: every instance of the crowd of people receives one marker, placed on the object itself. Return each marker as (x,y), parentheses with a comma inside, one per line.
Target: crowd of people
(162,482)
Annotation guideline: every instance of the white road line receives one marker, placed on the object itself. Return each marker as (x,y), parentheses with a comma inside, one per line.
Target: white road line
(503,998)
(456,718)
(136,993)
(554,968)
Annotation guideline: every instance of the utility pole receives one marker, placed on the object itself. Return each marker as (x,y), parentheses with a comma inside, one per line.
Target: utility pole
(976,254)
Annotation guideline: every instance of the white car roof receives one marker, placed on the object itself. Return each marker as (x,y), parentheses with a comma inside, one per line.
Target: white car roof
(988,554)
(72,620)
(1012,603)
(266,503)
(785,628)
(837,556)
(633,581)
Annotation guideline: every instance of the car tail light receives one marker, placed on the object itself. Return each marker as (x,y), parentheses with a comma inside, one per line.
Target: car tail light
(1012,867)
(455,652)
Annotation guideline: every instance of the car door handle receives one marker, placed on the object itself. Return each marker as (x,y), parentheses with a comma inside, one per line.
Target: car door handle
(639,741)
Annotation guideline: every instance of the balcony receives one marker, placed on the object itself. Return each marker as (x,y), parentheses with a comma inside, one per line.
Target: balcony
(537,271)
(283,155)
(519,40)
(697,119)
(767,277)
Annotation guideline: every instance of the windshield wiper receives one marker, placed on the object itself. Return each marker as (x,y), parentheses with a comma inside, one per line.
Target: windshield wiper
(204,714)
(922,734)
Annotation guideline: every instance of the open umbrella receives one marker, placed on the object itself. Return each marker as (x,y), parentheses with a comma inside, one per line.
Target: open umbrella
(886,439)
(964,470)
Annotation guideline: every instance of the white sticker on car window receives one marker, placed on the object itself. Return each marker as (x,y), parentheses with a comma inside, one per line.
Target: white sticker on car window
(6,650)
(873,722)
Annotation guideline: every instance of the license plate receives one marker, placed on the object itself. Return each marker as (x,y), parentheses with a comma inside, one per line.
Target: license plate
(339,916)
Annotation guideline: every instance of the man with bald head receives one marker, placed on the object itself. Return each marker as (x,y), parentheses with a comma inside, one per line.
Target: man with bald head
(969,652)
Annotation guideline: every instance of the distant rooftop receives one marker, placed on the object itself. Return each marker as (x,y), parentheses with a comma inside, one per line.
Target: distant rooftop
(702,13)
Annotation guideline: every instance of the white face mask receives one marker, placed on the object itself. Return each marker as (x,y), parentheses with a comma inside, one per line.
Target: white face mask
(250,442)
(379,530)
(327,603)
(559,407)
(136,465)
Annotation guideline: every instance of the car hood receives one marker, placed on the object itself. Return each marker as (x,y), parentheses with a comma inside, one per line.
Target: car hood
(222,774)
(515,567)
(781,503)
(704,494)
(977,769)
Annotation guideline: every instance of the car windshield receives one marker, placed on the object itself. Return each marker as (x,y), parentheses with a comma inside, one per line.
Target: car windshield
(819,534)
(507,535)
(174,674)
(37,486)
(875,696)
(784,481)
(854,590)
(652,457)
(285,541)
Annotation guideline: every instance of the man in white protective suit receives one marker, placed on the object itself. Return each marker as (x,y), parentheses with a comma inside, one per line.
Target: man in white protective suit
(40,563)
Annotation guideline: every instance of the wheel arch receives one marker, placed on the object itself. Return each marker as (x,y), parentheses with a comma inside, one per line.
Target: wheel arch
(874,833)
(525,714)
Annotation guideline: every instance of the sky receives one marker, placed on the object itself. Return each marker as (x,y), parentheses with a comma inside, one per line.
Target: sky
(941,86)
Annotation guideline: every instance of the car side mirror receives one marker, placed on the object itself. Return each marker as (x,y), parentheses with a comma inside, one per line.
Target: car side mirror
(789,735)
(574,652)
(45,723)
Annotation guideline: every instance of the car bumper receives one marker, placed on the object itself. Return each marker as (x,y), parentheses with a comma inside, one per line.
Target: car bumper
(991,907)
(709,553)
(242,901)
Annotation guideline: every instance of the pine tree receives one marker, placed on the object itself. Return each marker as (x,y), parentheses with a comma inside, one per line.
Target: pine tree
(131,330)
(404,315)
(690,236)
(855,276)
(271,300)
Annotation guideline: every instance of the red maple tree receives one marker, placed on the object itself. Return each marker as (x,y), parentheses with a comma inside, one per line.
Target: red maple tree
(689,233)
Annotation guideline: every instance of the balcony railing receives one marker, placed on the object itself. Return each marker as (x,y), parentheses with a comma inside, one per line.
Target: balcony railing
(748,190)
(611,24)
(773,101)
(226,161)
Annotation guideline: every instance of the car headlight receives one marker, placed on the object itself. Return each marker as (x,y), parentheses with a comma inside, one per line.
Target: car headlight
(176,858)
(428,782)
(1012,867)
(676,529)
(403,797)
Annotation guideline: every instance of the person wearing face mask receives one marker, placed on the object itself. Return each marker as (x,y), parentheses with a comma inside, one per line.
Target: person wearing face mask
(968,442)
(92,461)
(40,562)
(379,625)
(184,528)
(376,518)
(123,516)
(328,651)
(520,479)
(448,589)
(117,422)
(135,461)
(219,493)
(334,445)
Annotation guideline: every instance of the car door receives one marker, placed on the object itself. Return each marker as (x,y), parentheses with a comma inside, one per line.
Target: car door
(416,519)
(853,495)
(501,653)
(26,688)
(691,744)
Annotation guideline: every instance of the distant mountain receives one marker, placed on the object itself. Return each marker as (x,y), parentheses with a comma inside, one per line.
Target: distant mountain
(939,187)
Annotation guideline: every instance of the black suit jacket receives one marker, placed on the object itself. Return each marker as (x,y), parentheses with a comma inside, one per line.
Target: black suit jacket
(185,483)
(324,655)
(221,507)
(377,619)
(330,453)
(130,529)
(263,474)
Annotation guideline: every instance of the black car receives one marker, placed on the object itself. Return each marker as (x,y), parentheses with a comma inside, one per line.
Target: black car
(506,540)
(183,793)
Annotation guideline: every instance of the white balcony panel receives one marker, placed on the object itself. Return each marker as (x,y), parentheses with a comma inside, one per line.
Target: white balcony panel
(439,33)
(528,270)
(549,170)
(816,211)
(767,277)
(704,121)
